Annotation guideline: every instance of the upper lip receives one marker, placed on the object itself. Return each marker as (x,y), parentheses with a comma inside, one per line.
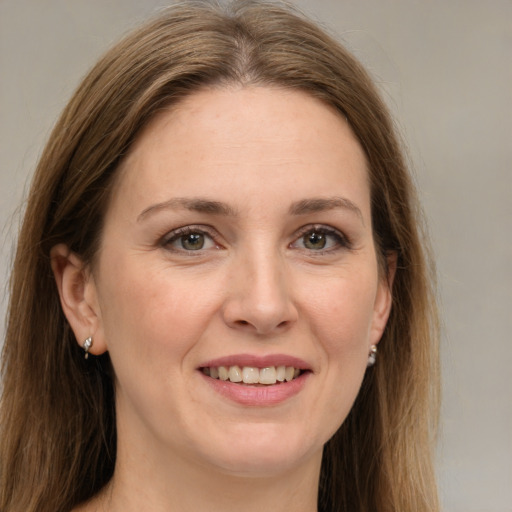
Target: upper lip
(257,361)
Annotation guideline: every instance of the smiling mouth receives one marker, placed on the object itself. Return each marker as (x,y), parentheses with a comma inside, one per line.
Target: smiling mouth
(267,376)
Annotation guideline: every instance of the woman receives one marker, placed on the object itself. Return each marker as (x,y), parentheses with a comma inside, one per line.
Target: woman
(220,233)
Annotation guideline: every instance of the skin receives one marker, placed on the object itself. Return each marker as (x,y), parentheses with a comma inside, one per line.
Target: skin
(258,286)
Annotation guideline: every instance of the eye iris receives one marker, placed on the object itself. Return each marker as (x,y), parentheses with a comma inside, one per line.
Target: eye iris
(315,240)
(192,241)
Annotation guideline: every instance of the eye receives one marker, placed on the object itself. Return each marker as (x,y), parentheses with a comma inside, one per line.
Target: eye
(188,239)
(315,240)
(320,239)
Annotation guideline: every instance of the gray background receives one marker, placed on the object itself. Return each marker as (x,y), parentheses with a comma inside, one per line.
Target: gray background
(445,70)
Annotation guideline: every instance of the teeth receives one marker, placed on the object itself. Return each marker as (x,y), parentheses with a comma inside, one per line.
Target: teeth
(223,373)
(268,375)
(252,375)
(235,374)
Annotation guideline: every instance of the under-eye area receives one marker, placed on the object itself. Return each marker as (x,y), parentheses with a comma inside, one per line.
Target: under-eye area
(267,376)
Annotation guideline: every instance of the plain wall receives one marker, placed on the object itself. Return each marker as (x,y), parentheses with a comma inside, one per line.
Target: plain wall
(445,69)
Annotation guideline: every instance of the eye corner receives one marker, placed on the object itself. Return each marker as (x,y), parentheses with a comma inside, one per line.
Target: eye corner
(190,240)
(322,240)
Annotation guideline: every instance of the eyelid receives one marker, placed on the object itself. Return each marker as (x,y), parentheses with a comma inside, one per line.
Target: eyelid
(175,234)
(343,240)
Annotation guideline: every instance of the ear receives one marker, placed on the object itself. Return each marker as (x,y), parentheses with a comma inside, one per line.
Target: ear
(383,299)
(78,297)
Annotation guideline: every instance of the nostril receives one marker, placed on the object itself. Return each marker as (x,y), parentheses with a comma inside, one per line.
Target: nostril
(259,316)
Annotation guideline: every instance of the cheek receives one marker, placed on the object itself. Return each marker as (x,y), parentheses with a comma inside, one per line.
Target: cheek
(148,313)
(343,317)
(343,313)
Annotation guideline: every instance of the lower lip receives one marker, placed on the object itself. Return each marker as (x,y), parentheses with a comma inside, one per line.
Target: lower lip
(258,396)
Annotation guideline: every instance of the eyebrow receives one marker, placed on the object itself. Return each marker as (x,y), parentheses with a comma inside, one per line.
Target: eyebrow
(202,205)
(322,204)
(194,204)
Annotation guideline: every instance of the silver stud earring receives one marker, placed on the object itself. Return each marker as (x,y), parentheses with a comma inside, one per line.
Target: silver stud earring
(86,346)
(372,356)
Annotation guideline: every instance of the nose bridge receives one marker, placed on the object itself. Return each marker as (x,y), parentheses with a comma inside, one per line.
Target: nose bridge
(259,296)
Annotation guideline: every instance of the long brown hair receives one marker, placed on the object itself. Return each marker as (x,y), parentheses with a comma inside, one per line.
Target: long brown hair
(58,433)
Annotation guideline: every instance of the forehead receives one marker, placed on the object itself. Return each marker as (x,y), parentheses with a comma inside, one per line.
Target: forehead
(255,139)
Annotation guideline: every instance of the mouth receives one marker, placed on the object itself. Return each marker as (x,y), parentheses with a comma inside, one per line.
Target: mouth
(253,375)
(254,380)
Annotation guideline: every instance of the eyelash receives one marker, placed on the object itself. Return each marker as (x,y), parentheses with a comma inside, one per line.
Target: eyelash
(176,234)
(340,240)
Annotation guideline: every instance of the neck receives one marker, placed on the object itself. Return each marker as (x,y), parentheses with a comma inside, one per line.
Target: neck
(186,487)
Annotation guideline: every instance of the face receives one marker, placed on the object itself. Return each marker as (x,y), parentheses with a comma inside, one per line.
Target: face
(238,245)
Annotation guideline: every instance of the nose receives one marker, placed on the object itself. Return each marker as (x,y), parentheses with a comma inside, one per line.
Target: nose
(259,298)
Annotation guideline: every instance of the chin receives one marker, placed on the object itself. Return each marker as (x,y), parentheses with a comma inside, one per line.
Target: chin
(263,451)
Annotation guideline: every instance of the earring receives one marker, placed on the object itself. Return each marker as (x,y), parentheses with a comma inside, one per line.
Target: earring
(372,356)
(86,346)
